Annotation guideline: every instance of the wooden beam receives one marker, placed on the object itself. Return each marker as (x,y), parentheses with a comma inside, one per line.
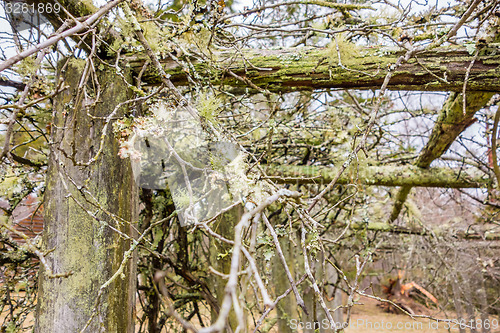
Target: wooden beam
(387,227)
(408,175)
(284,70)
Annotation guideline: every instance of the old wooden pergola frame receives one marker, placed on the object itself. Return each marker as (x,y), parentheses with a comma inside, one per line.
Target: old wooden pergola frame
(285,70)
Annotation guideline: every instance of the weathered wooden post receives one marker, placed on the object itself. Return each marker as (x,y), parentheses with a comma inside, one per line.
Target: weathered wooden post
(88,213)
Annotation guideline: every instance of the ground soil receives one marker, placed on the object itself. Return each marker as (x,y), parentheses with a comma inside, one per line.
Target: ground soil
(368,318)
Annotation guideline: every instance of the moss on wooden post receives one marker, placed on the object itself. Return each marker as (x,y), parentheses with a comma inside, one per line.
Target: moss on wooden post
(221,260)
(287,308)
(79,242)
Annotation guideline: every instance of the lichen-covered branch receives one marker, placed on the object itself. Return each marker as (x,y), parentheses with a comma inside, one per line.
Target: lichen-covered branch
(75,8)
(452,121)
(79,27)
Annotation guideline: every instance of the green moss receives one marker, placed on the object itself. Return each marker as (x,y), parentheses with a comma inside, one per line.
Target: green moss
(340,46)
(87,6)
(76,64)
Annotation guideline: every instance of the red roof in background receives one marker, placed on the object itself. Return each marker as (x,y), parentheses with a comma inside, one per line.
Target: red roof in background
(27,218)
(30,226)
